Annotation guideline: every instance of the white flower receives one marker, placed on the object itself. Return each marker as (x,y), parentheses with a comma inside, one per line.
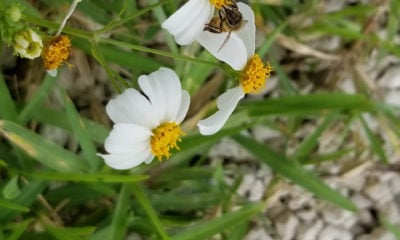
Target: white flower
(239,53)
(188,21)
(28,44)
(241,44)
(146,126)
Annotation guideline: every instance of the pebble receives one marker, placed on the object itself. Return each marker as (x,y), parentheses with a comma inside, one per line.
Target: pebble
(286,225)
(334,233)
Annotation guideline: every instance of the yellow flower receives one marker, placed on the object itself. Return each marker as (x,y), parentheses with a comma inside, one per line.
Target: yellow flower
(56,51)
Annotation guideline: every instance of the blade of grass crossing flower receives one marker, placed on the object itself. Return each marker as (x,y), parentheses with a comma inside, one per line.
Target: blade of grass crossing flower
(308,104)
(120,217)
(218,225)
(376,144)
(41,149)
(26,198)
(58,118)
(311,141)
(293,172)
(143,200)
(81,133)
(91,177)
(40,95)
(8,110)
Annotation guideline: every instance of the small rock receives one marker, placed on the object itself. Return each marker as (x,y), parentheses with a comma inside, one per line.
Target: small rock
(311,231)
(257,234)
(334,233)
(286,226)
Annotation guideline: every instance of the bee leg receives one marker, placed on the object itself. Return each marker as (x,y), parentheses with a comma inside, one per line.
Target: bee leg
(212,28)
(225,41)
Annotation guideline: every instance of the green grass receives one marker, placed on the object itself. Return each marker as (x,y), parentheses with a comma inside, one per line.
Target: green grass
(71,194)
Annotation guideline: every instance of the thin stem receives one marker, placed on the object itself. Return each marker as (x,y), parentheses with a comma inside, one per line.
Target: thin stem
(157,52)
(130,17)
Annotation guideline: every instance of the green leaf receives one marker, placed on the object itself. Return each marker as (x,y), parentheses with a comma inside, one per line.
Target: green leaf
(8,110)
(294,172)
(311,141)
(148,208)
(11,190)
(118,227)
(39,148)
(12,206)
(308,104)
(82,134)
(91,177)
(42,92)
(19,229)
(208,229)
(25,199)
(395,230)
(375,142)
(64,233)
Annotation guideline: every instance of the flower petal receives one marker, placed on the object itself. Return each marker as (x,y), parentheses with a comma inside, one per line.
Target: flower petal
(171,86)
(248,32)
(226,104)
(127,138)
(184,107)
(188,21)
(233,52)
(126,160)
(132,107)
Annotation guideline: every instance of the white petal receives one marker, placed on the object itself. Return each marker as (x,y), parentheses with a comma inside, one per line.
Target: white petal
(127,138)
(153,90)
(184,107)
(171,86)
(132,107)
(233,52)
(226,104)
(126,160)
(188,21)
(248,32)
(52,72)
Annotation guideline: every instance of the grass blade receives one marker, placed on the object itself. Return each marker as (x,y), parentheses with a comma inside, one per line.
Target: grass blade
(92,177)
(119,222)
(37,98)
(308,104)
(13,206)
(292,171)
(375,142)
(81,133)
(8,110)
(210,228)
(39,148)
(148,208)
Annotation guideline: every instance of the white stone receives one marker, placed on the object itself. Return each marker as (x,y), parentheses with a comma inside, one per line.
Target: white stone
(262,133)
(311,232)
(307,215)
(391,78)
(258,234)
(338,217)
(286,226)
(334,233)
(256,191)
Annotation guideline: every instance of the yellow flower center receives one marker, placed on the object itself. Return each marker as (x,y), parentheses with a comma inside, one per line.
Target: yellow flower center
(165,137)
(253,76)
(56,52)
(220,3)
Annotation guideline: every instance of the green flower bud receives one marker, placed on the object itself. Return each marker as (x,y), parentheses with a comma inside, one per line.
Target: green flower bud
(28,44)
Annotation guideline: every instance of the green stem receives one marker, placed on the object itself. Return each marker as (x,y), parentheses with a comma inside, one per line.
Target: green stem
(130,17)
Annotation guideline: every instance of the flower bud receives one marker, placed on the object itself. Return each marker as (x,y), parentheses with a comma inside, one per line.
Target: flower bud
(28,44)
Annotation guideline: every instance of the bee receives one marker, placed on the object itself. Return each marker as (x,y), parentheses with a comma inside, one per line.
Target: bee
(229,20)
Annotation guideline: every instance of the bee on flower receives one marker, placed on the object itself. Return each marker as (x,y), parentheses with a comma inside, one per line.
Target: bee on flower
(188,22)
(146,126)
(28,44)
(239,53)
